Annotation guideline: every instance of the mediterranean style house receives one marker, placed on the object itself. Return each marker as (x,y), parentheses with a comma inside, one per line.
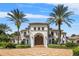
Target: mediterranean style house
(74,38)
(40,34)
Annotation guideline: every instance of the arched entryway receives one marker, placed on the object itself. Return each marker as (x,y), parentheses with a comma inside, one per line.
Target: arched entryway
(38,39)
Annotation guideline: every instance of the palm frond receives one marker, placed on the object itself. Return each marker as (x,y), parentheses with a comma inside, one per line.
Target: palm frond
(11,16)
(50,20)
(67,23)
(4,28)
(24,20)
(61,14)
(67,14)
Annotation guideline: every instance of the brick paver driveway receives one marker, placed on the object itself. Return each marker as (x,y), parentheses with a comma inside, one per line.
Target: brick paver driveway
(36,52)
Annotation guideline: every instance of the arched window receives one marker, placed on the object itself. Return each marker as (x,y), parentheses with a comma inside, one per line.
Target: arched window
(25,34)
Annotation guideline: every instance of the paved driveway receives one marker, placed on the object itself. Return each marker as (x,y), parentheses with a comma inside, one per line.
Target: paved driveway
(36,52)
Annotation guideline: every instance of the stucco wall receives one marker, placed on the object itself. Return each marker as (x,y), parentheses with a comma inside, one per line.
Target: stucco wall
(31,32)
(43,32)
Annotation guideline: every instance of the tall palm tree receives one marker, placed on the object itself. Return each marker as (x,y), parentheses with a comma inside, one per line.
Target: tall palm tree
(60,15)
(4,28)
(18,17)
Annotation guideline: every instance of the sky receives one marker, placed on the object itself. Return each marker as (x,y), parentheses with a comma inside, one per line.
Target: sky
(38,12)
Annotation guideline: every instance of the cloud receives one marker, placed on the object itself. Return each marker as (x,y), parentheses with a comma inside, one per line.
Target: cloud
(4,14)
(74,7)
(44,10)
(32,5)
(25,5)
(36,16)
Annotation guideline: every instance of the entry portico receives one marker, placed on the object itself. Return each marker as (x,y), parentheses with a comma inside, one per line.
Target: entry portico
(38,34)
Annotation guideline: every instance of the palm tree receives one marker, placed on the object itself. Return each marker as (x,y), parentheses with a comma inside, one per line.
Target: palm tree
(4,28)
(60,15)
(18,17)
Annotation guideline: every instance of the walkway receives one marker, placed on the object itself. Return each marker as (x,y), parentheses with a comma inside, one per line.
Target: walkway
(36,52)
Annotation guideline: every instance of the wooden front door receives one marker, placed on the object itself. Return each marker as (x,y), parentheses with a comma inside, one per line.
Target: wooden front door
(38,40)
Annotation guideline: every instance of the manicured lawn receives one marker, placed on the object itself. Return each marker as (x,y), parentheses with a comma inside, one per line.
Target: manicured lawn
(36,52)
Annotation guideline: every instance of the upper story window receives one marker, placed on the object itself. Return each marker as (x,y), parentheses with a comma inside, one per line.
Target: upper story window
(42,28)
(28,31)
(38,28)
(24,33)
(52,33)
(34,28)
(56,32)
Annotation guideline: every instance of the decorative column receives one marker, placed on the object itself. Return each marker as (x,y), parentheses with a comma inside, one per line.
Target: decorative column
(32,42)
(45,42)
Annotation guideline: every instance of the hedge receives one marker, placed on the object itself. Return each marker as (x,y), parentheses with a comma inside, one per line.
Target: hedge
(22,46)
(56,46)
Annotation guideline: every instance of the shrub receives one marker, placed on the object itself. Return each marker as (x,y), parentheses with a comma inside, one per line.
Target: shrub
(23,42)
(22,46)
(2,44)
(54,41)
(71,44)
(56,46)
(76,51)
(4,38)
(10,45)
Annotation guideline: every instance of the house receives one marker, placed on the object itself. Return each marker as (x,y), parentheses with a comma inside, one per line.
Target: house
(40,34)
(74,38)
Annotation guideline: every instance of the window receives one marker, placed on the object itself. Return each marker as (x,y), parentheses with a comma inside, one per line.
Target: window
(28,31)
(34,28)
(49,41)
(56,33)
(27,42)
(77,41)
(42,28)
(38,28)
(24,33)
(13,41)
(23,41)
(52,33)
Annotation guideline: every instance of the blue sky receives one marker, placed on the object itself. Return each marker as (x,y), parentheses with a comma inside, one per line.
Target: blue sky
(38,12)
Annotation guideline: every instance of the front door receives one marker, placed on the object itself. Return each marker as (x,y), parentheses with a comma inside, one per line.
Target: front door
(38,40)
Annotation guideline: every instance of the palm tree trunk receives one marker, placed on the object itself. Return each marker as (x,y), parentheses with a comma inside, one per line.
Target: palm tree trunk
(59,34)
(18,35)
